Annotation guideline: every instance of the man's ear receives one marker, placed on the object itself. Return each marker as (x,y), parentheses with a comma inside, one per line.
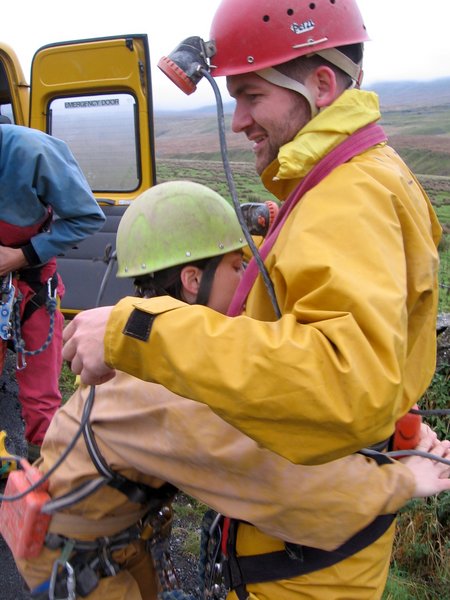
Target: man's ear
(190,277)
(322,81)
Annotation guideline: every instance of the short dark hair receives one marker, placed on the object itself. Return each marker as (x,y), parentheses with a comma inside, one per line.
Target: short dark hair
(299,68)
(166,282)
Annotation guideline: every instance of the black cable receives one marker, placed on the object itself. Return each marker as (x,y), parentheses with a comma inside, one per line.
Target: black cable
(402,453)
(435,412)
(231,186)
(85,417)
(110,263)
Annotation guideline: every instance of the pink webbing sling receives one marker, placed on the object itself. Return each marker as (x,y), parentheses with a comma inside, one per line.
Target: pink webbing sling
(355,144)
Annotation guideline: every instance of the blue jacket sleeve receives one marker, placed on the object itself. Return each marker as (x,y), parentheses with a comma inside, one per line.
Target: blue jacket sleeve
(44,173)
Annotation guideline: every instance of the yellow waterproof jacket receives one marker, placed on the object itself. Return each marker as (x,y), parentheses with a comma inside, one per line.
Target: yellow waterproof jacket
(150,435)
(355,275)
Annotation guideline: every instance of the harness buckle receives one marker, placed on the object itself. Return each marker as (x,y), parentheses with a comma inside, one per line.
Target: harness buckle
(70,581)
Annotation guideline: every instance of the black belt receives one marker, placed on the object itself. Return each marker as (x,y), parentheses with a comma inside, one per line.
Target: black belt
(295,559)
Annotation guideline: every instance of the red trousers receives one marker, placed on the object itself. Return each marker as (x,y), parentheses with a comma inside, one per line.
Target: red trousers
(38,382)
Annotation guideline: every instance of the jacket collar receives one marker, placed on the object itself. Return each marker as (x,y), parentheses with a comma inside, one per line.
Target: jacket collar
(352,110)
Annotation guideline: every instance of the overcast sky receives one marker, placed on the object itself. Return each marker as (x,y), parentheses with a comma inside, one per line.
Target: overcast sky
(410,38)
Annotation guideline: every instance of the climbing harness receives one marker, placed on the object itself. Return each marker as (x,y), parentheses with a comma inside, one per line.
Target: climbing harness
(220,567)
(7,294)
(10,319)
(294,560)
(81,565)
(45,294)
(92,560)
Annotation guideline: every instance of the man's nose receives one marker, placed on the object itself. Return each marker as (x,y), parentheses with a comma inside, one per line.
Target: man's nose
(241,119)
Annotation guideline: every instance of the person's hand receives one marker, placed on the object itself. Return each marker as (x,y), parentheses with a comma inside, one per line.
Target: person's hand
(432,477)
(84,346)
(11,259)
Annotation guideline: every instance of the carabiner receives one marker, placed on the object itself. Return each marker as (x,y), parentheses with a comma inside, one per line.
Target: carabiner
(5,283)
(70,581)
(21,361)
(51,293)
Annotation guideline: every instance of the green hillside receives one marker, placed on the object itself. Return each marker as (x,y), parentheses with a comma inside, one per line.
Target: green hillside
(415,115)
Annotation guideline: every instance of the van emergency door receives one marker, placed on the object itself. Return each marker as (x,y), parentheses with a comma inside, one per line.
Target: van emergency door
(96,96)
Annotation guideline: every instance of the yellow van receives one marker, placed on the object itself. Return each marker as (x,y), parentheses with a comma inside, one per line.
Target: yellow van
(96,95)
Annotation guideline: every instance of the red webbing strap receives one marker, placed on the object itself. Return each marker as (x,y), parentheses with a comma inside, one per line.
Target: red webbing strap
(355,144)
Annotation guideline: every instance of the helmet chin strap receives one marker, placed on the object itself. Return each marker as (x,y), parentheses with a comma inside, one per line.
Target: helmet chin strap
(273,76)
(332,55)
(344,63)
(207,280)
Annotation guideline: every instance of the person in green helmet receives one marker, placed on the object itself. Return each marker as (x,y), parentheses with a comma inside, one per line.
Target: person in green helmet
(110,497)
(176,224)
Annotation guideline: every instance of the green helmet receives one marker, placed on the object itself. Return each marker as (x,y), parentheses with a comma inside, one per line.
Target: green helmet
(175,223)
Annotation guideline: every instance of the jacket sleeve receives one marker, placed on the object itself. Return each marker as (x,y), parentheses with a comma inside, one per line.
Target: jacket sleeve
(354,349)
(184,442)
(51,172)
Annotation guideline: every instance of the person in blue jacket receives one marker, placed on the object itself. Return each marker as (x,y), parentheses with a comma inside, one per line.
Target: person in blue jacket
(46,207)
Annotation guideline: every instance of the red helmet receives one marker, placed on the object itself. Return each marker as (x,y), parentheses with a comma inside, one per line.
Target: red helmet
(256,34)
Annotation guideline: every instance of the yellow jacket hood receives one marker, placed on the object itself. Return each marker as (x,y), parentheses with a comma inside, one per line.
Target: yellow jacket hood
(351,111)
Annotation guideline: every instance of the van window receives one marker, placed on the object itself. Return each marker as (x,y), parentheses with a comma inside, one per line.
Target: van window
(6,113)
(101,131)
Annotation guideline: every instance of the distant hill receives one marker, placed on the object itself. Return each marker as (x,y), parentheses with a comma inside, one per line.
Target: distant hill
(401,94)
(416,117)
(393,94)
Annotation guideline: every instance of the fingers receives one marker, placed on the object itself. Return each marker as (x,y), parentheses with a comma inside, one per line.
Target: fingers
(442,471)
(75,363)
(69,331)
(428,438)
(441,449)
(431,476)
(83,346)
(96,375)
(69,345)
(68,352)
(89,377)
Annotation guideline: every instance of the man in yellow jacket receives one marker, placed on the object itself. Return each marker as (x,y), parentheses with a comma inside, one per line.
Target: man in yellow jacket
(353,260)
(168,240)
